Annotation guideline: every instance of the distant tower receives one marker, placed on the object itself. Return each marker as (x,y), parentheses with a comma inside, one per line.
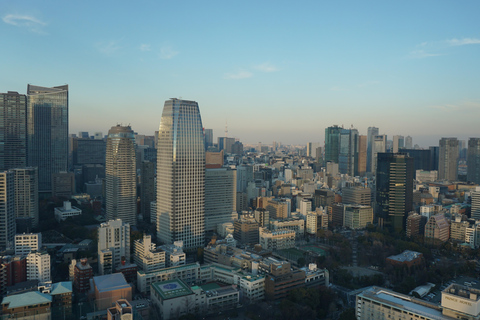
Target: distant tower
(47,125)
(348,152)
(473,160)
(408,142)
(13,130)
(120,169)
(181,175)
(398,143)
(448,159)
(372,132)
(332,143)
(208,138)
(379,145)
(394,189)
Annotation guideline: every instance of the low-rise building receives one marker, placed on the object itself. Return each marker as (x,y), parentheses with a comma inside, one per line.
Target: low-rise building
(295,224)
(67,211)
(147,256)
(110,288)
(174,255)
(357,216)
(437,228)
(253,287)
(280,278)
(277,239)
(406,258)
(28,305)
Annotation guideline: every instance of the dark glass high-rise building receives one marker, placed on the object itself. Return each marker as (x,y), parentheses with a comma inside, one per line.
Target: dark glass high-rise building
(394,189)
(473,160)
(348,152)
(332,143)
(372,132)
(47,125)
(208,138)
(181,175)
(13,130)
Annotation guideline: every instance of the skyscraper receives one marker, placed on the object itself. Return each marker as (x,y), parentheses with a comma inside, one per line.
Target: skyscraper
(26,195)
(448,159)
(47,125)
(394,189)
(473,160)
(208,138)
(348,152)
(398,143)
(372,132)
(362,155)
(13,130)
(120,169)
(332,143)
(408,142)
(181,175)
(220,196)
(7,208)
(379,145)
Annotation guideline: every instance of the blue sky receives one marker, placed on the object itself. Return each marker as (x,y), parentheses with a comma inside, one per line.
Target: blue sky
(274,70)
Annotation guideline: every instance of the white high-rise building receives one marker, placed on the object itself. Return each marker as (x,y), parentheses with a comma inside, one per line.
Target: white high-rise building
(113,245)
(475,195)
(120,169)
(38,266)
(181,175)
(27,242)
(146,255)
(7,209)
(26,194)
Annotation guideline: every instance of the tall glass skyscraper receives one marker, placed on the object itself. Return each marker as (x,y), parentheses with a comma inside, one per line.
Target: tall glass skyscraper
(13,130)
(120,175)
(394,189)
(47,125)
(181,175)
(473,160)
(332,143)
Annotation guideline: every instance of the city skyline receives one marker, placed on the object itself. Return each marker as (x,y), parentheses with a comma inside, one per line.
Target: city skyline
(255,65)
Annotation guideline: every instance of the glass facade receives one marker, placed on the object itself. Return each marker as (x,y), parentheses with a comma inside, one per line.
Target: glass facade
(332,143)
(13,130)
(181,175)
(473,160)
(47,124)
(120,175)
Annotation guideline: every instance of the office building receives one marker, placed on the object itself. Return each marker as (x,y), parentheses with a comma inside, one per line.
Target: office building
(147,188)
(332,143)
(415,224)
(208,138)
(312,148)
(237,148)
(181,175)
(448,159)
(7,208)
(63,184)
(276,239)
(147,256)
(473,160)
(88,151)
(13,130)
(26,195)
(357,216)
(408,142)
(357,195)
(379,146)
(348,152)
(434,157)
(121,184)
(371,133)
(220,197)
(246,230)
(422,159)
(244,176)
(27,242)
(394,190)
(225,144)
(398,143)
(47,125)
(113,245)
(362,156)
(80,273)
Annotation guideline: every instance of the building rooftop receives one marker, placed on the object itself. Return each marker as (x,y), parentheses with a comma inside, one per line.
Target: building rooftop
(398,300)
(61,288)
(26,299)
(172,289)
(406,255)
(110,282)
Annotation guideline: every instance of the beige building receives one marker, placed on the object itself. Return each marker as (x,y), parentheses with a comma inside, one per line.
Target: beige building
(147,256)
(278,208)
(110,288)
(357,216)
(357,195)
(437,228)
(295,224)
(458,229)
(277,239)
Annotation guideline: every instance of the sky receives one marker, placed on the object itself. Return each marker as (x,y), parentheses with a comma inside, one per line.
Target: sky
(270,70)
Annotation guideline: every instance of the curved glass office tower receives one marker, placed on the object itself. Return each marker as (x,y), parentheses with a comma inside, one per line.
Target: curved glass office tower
(120,173)
(181,175)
